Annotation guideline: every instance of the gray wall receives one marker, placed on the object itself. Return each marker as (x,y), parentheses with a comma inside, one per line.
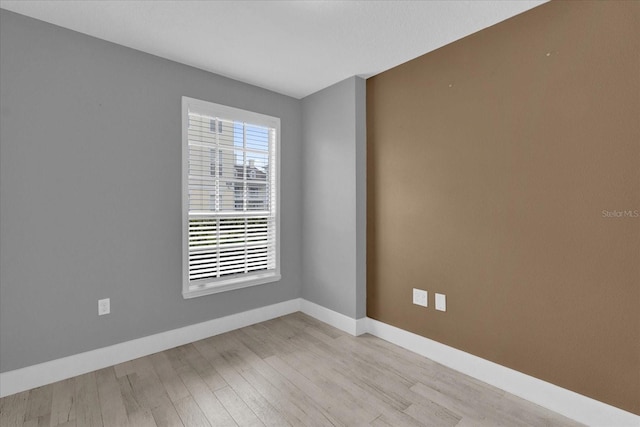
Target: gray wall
(334,205)
(90,193)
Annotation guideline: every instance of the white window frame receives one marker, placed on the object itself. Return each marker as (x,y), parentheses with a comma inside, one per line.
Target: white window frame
(233,282)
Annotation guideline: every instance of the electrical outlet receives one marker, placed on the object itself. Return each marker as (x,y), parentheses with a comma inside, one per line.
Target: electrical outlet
(104,306)
(420,297)
(441,302)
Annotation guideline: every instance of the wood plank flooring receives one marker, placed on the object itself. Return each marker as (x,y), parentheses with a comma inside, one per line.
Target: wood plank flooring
(293,370)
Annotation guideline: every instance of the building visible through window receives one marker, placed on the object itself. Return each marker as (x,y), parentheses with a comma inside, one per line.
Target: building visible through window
(230,214)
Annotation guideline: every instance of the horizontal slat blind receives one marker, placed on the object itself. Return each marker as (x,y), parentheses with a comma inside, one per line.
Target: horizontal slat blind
(232,191)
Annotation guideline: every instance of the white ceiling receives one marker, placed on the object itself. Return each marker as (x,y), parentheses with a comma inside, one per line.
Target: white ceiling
(291,47)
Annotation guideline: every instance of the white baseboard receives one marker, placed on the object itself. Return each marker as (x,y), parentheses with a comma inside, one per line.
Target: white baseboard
(56,370)
(557,399)
(568,403)
(362,326)
(337,320)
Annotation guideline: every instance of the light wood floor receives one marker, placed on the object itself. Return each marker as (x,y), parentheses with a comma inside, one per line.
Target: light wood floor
(293,370)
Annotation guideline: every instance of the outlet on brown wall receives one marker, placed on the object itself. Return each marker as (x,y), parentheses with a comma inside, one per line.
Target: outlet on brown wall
(495,165)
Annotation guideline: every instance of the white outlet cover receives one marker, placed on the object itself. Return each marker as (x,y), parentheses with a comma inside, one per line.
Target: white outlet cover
(104,306)
(420,297)
(441,302)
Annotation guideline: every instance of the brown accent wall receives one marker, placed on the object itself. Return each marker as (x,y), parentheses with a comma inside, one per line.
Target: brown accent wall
(490,162)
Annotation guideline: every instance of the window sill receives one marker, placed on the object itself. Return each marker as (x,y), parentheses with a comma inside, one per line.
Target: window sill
(230,284)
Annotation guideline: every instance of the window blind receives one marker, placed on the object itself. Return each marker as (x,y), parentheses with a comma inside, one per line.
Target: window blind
(232,203)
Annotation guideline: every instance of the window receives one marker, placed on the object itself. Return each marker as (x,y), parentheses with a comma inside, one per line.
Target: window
(212,125)
(230,188)
(212,165)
